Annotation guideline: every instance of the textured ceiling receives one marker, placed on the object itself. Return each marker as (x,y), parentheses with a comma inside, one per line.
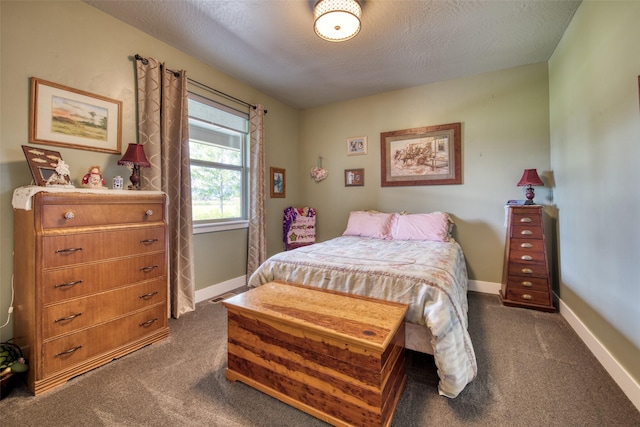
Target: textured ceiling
(271,45)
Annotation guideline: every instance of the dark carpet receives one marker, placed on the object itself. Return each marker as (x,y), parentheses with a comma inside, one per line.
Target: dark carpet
(533,371)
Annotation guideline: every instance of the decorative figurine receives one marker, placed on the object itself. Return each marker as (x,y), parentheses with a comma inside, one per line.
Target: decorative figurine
(93,179)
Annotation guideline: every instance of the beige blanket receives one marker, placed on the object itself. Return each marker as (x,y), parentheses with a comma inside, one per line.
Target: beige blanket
(430,277)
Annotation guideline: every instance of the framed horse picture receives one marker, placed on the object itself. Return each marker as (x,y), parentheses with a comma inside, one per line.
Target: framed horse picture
(428,155)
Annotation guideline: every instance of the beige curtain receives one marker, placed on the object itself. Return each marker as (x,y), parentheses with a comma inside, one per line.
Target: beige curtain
(257,247)
(163,129)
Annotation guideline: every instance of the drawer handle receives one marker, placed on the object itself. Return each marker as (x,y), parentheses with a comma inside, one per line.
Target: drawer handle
(527,270)
(149,295)
(68,250)
(148,322)
(62,319)
(525,219)
(526,245)
(149,212)
(69,215)
(70,351)
(526,232)
(149,268)
(68,284)
(148,241)
(526,257)
(527,284)
(527,297)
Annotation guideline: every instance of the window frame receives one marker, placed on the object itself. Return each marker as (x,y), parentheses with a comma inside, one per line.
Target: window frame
(225,224)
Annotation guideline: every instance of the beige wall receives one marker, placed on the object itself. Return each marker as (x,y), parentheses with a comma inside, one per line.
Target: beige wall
(595,148)
(505,129)
(74,44)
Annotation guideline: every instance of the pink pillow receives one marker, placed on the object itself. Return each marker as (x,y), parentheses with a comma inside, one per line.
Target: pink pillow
(433,226)
(370,224)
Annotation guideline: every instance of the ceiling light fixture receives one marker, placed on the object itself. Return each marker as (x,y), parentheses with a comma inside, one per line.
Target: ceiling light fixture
(337,20)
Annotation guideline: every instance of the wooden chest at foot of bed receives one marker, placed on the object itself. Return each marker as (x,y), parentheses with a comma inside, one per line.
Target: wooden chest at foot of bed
(336,356)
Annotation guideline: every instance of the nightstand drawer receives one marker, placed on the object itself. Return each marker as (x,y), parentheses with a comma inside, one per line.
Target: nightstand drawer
(526,217)
(525,284)
(528,270)
(529,297)
(526,232)
(530,244)
(526,257)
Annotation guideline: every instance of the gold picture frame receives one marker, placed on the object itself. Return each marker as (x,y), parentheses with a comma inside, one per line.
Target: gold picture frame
(72,118)
(278,181)
(357,145)
(429,155)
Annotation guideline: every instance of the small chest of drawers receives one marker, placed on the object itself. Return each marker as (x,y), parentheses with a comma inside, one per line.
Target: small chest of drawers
(90,276)
(525,279)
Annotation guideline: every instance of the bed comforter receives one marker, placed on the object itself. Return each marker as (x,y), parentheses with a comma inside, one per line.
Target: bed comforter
(430,277)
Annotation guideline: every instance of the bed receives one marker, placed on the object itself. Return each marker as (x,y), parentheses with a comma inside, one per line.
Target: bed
(397,258)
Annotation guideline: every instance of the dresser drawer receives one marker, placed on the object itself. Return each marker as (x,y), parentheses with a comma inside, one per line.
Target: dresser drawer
(526,231)
(70,350)
(526,217)
(528,270)
(72,282)
(526,284)
(65,211)
(80,313)
(536,245)
(529,297)
(526,257)
(76,248)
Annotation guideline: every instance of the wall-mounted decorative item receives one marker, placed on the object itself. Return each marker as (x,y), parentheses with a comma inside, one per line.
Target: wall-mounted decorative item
(318,173)
(278,182)
(47,167)
(67,117)
(356,145)
(354,177)
(427,155)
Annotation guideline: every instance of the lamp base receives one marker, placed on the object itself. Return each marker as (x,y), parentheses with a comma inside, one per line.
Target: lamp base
(135,178)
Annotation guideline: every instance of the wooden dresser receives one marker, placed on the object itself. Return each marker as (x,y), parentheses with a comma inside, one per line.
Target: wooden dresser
(525,279)
(90,278)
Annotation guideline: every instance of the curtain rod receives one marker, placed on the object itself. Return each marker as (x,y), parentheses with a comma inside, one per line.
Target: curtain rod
(202,85)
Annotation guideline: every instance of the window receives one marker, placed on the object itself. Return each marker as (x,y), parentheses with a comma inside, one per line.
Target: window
(218,144)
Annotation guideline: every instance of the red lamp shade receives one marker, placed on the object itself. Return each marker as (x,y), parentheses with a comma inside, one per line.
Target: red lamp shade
(529,178)
(135,157)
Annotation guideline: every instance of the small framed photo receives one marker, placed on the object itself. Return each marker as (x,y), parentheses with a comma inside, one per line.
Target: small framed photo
(354,177)
(278,182)
(356,145)
(47,167)
(72,118)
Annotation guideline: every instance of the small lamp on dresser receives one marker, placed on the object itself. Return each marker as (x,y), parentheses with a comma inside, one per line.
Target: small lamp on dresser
(530,178)
(135,157)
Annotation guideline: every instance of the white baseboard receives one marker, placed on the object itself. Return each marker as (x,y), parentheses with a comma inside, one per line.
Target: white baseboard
(620,375)
(220,288)
(628,385)
(484,287)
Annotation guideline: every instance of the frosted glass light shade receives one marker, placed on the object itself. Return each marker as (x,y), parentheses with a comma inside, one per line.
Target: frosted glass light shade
(337,20)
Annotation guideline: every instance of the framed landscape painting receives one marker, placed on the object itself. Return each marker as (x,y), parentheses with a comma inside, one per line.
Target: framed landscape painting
(67,117)
(428,155)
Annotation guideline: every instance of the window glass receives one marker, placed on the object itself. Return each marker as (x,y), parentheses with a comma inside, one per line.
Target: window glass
(218,144)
